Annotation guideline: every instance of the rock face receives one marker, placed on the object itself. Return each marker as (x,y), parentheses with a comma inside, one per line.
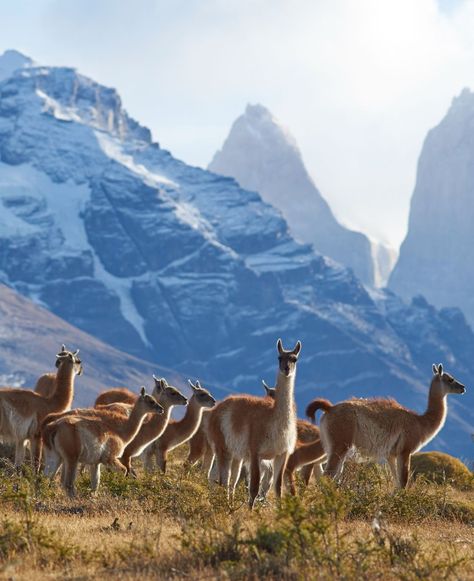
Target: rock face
(262,156)
(436,256)
(178,265)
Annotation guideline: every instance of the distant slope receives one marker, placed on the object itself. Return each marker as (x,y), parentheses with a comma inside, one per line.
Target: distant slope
(30,337)
(262,156)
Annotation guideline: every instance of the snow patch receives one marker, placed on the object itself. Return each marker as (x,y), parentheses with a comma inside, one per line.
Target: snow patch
(113,149)
(64,203)
(57,110)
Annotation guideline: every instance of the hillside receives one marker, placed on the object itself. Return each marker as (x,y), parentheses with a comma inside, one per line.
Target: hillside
(30,337)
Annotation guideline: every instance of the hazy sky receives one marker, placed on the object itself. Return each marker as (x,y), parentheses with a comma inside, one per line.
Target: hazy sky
(358,82)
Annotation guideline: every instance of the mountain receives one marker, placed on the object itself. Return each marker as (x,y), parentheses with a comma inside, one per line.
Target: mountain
(30,337)
(435,257)
(181,266)
(263,156)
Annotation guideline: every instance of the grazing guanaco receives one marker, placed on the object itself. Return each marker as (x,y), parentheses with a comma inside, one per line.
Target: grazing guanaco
(93,440)
(46,384)
(114,395)
(307,456)
(382,428)
(250,429)
(178,432)
(22,410)
(309,452)
(168,397)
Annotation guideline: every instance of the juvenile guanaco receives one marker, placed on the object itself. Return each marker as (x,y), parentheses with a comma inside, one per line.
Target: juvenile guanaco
(178,432)
(93,440)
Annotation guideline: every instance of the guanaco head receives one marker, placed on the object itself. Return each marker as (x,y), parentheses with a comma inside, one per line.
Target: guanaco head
(68,356)
(148,403)
(269,391)
(444,383)
(166,394)
(288,359)
(201,395)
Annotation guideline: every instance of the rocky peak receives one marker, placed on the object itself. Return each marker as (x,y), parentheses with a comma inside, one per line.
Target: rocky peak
(11,61)
(262,155)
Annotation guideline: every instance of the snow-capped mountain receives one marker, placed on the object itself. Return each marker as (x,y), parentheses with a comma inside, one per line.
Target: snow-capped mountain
(176,264)
(263,156)
(436,256)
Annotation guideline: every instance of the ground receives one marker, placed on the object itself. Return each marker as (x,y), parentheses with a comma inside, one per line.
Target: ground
(176,526)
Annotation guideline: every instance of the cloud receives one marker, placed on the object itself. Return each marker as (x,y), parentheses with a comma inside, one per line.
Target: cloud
(359,84)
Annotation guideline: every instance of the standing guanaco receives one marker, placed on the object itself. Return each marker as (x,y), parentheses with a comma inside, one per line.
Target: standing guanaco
(382,428)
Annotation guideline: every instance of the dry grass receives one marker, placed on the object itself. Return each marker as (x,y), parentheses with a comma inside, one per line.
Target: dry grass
(177,527)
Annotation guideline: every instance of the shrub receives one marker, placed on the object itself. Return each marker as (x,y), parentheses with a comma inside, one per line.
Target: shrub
(440,468)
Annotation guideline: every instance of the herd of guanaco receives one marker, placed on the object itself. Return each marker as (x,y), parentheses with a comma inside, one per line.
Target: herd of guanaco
(259,434)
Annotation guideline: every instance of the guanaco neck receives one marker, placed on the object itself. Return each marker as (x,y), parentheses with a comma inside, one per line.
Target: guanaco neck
(284,408)
(156,425)
(128,429)
(435,415)
(185,428)
(62,396)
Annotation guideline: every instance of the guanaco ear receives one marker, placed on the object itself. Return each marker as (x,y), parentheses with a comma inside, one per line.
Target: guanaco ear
(63,351)
(76,352)
(440,368)
(142,391)
(297,349)
(265,386)
(158,383)
(280,347)
(198,385)
(192,385)
(435,369)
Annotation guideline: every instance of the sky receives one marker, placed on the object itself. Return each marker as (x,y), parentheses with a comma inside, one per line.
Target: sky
(358,83)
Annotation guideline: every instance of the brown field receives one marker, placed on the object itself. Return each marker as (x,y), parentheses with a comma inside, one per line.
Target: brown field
(177,527)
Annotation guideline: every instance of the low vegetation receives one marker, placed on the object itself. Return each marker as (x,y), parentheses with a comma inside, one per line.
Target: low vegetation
(177,527)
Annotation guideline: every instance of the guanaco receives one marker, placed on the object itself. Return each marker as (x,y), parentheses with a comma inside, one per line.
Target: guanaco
(23,410)
(308,455)
(45,384)
(168,397)
(178,432)
(114,395)
(250,429)
(93,440)
(382,428)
